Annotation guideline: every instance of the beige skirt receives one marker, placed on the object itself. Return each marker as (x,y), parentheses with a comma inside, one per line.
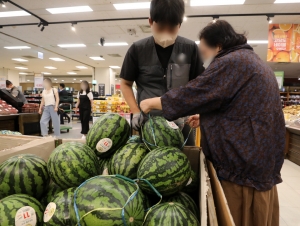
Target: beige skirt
(250,207)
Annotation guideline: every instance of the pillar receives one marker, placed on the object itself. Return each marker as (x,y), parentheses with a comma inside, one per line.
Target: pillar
(105,76)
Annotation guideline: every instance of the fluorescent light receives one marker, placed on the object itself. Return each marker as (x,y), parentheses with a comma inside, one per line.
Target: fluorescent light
(216,2)
(51,68)
(185,18)
(14,13)
(115,44)
(74,79)
(80,80)
(17,47)
(55,79)
(114,67)
(72,82)
(72,73)
(22,68)
(96,58)
(81,67)
(71,45)
(75,9)
(197,42)
(46,73)
(137,5)
(19,59)
(257,41)
(62,80)
(23,73)
(57,59)
(287,1)
(28,80)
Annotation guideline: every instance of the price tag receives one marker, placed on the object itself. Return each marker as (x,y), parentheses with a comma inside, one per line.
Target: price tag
(172,125)
(189,182)
(25,216)
(104,145)
(49,212)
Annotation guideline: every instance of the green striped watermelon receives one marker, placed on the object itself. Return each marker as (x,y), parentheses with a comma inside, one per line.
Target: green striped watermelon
(58,211)
(104,165)
(167,169)
(158,132)
(193,183)
(70,164)
(170,214)
(52,190)
(21,209)
(23,174)
(127,160)
(106,195)
(108,134)
(186,201)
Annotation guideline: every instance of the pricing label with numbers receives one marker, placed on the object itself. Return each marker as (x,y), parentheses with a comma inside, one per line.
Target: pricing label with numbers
(25,216)
(49,212)
(172,125)
(104,145)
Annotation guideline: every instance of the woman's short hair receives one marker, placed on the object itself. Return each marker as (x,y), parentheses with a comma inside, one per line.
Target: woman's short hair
(221,33)
(48,80)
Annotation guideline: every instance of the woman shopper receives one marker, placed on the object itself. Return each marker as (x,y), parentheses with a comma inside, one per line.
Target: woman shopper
(242,124)
(50,100)
(85,103)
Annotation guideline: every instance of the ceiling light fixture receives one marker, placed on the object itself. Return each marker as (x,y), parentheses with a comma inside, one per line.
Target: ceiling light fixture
(97,58)
(115,44)
(47,73)
(114,67)
(62,80)
(51,68)
(137,5)
(74,79)
(286,1)
(14,13)
(215,18)
(73,26)
(3,4)
(23,73)
(75,9)
(72,73)
(28,80)
(80,80)
(71,45)
(56,59)
(19,59)
(185,18)
(55,79)
(216,2)
(22,68)
(197,42)
(43,28)
(17,47)
(81,67)
(269,19)
(257,41)
(40,23)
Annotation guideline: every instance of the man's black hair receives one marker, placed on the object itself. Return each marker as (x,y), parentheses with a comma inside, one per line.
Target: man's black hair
(169,12)
(62,85)
(8,83)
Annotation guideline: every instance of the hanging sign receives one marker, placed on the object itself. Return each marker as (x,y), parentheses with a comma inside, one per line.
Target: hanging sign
(38,81)
(2,84)
(279,76)
(284,43)
(101,90)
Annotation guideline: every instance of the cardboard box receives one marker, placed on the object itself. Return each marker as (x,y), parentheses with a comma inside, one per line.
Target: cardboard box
(213,206)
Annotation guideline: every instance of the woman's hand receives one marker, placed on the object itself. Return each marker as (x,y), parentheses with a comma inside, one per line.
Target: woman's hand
(194,121)
(40,111)
(56,109)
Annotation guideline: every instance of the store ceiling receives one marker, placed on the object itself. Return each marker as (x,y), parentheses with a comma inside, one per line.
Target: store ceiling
(117,31)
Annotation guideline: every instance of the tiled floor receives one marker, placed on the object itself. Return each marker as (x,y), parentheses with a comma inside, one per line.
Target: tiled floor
(289,190)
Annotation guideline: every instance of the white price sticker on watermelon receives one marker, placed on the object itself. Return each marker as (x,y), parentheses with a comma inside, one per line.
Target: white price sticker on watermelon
(25,216)
(172,125)
(49,212)
(104,145)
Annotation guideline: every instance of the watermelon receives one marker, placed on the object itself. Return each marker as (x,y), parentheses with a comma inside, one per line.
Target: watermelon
(23,174)
(108,134)
(127,160)
(193,183)
(158,132)
(58,211)
(170,214)
(14,208)
(52,190)
(167,169)
(104,165)
(70,164)
(106,195)
(186,201)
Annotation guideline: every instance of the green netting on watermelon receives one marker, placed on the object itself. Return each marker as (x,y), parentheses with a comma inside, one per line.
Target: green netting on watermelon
(122,208)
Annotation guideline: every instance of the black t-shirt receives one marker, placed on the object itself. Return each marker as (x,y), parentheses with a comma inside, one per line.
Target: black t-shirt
(164,55)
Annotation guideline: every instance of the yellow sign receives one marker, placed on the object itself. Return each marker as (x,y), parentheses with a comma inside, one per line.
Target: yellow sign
(284,43)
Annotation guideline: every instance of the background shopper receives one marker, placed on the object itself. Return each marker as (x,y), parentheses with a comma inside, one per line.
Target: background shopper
(50,100)
(85,103)
(242,134)
(63,93)
(15,92)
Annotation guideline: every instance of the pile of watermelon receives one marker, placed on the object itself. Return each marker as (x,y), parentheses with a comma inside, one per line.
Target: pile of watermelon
(113,179)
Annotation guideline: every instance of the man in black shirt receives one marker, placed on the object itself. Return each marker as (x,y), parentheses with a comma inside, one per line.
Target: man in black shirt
(63,93)
(161,62)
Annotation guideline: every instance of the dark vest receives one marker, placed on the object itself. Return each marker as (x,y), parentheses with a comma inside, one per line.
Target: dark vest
(154,80)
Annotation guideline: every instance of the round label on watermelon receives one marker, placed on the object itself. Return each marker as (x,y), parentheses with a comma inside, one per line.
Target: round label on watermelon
(25,216)
(172,125)
(49,212)
(104,145)
(189,182)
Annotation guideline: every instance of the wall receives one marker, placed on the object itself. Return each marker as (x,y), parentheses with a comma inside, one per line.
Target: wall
(76,86)
(14,77)
(105,76)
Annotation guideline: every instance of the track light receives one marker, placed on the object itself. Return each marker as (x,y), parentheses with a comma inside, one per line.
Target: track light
(40,24)
(269,19)
(215,18)
(73,27)
(43,28)
(2,3)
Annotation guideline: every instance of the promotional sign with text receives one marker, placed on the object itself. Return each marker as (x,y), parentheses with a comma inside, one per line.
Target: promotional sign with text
(284,43)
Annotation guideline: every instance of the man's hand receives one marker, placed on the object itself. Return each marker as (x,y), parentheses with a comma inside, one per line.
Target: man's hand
(137,121)
(194,121)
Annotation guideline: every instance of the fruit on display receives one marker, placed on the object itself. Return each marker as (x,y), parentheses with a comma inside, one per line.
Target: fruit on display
(167,169)
(170,214)
(158,132)
(23,174)
(127,159)
(70,164)
(100,201)
(21,209)
(186,201)
(57,212)
(52,190)
(282,57)
(192,184)
(108,134)
(103,166)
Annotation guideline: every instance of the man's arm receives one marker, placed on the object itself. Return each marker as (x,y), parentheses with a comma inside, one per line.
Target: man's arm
(126,88)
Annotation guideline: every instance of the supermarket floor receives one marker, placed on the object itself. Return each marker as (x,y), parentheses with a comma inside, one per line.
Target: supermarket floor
(289,190)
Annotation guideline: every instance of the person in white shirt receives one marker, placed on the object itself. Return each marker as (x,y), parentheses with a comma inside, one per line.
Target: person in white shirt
(50,100)
(85,103)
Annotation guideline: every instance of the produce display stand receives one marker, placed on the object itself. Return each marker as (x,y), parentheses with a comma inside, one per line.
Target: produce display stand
(292,144)
(9,122)
(214,210)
